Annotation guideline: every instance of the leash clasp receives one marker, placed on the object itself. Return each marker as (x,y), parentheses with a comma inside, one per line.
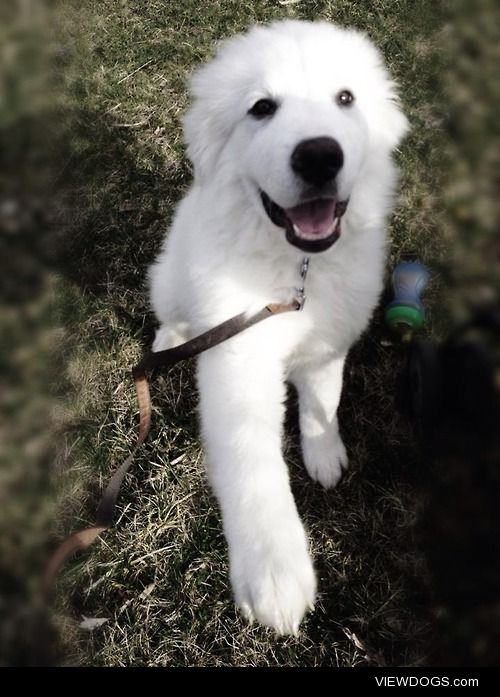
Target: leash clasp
(301,292)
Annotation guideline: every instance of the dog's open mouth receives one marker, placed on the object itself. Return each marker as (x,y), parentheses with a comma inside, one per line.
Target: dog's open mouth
(312,226)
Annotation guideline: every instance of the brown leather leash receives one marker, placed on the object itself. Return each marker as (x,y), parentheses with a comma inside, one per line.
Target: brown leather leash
(106,508)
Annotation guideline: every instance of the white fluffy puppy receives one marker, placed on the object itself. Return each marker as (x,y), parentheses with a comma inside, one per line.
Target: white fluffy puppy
(290,132)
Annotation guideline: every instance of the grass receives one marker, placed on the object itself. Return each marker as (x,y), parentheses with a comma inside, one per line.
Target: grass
(116,96)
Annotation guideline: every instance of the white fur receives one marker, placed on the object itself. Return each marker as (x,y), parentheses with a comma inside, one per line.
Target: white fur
(224,256)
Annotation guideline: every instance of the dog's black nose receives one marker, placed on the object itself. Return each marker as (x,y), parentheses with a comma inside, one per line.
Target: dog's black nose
(317,160)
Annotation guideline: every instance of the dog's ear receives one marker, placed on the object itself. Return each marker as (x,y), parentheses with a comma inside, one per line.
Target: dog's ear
(389,124)
(206,125)
(203,145)
(380,104)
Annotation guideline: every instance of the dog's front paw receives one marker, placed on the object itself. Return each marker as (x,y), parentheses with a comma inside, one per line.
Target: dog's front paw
(325,458)
(274,583)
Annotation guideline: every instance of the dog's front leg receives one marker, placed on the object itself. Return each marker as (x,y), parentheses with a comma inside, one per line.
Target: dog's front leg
(319,389)
(242,406)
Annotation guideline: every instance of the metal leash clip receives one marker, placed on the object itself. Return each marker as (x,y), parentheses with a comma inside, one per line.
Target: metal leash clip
(301,292)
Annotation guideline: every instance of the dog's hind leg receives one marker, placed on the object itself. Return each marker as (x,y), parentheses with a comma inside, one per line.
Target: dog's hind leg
(168,336)
(319,391)
(164,294)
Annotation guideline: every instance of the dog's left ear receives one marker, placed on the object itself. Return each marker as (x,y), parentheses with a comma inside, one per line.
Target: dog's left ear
(394,124)
(381,106)
(387,123)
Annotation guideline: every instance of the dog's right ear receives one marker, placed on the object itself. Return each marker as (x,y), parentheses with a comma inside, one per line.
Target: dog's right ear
(206,124)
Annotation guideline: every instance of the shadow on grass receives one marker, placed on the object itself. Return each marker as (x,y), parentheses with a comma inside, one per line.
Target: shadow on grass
(80,197)
(114,200)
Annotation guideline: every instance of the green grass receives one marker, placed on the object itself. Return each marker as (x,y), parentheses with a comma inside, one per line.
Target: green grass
(117,93)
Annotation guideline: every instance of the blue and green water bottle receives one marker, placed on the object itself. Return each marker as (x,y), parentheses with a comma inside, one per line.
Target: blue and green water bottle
(405,314)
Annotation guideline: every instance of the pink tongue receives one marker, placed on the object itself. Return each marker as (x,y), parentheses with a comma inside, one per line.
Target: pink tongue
(313,218)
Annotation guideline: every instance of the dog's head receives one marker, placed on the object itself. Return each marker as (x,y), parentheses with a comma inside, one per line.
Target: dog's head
(294,111)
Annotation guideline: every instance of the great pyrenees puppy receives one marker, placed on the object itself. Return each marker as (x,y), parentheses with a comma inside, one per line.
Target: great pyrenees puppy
(290,132)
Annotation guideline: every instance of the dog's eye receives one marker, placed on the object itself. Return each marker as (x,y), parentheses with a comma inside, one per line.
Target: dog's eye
(263,108)
(344,98)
